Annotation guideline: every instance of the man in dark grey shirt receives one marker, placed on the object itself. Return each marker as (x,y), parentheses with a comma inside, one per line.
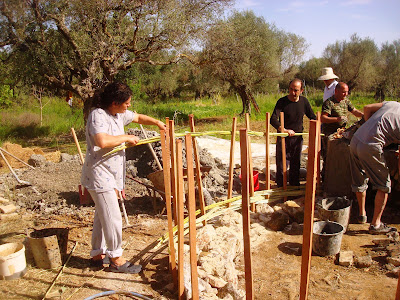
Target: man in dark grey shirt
(294,108)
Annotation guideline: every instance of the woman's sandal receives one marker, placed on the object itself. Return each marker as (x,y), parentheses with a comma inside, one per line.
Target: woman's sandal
(125,268)
(99,263)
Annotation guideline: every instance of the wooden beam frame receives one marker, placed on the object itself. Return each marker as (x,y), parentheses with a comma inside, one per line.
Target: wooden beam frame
(231,159)
(309,202)
(244,157)
(164,135)
(250,158)
(198,169)
(192,218)
(180,200)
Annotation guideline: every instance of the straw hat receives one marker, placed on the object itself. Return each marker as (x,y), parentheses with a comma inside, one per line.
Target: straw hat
(327,73)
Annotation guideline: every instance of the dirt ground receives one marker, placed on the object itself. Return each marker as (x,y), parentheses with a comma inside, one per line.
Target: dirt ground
(54,203)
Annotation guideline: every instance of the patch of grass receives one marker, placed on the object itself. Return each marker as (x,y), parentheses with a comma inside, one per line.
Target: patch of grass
(21,121)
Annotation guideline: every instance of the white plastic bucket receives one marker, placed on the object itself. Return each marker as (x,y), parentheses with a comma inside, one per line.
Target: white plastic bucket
(12,261)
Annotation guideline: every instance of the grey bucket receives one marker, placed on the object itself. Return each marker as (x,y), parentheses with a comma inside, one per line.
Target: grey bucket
(336,209)
(327,237)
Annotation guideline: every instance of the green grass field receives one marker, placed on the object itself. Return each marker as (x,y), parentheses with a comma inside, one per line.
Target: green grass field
(21,122)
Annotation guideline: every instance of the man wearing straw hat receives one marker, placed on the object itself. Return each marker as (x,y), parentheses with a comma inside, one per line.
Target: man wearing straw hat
(294,108)
(330,83)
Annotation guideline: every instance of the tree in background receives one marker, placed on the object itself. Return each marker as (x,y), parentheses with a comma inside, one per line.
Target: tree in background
(354,61)
(246,51)
(388,70)
(310,70)
(81,45)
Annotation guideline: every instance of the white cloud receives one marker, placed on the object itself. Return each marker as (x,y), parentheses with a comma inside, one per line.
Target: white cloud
(296,5)
(355,2)
(248,4)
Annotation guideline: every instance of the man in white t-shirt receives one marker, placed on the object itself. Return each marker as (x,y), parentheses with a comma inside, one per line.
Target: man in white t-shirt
(330,83)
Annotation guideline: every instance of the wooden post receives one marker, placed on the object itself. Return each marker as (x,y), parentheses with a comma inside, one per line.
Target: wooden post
(244,157)
(398,286)
(309,208)
(180,200)
(231,159)
(173,169)
(267,161)
(167,189)
(77,145)
(198,170)
(319,179)
(284,166)
(192,218)
(251,181)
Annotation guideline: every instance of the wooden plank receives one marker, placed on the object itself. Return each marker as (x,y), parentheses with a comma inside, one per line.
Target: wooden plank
(251,181)
(192,217)
(231,159)
(173,169)
(164,135)
(309,202)
(198,171)
(398,287)
(180,200)
(283,143)
(245,171)
(267,160)
(319,179)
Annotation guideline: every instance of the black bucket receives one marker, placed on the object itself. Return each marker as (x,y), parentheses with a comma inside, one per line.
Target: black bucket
(327,237)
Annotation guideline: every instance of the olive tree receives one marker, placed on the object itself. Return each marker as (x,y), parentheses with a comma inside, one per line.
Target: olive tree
(245,51)
(354,61)
(388,70)
(80,45)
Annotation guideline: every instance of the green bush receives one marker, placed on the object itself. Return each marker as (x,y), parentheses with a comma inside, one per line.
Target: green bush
(6,95)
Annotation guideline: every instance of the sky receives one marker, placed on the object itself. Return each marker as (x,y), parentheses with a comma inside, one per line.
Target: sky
(323,22)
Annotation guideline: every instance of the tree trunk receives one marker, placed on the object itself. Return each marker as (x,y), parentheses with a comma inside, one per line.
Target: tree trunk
(242,91)
(247,99)
(87,105)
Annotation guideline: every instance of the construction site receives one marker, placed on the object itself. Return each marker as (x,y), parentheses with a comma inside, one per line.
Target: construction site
(235,234)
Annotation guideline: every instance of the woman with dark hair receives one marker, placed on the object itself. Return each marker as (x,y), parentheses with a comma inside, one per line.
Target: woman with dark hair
(104,177)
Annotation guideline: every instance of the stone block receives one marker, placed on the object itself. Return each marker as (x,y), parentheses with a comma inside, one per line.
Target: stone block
(345,258)
(395,261)
(363,261)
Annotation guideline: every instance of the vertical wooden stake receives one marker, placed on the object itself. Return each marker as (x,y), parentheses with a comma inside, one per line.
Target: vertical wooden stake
(180,191)
(244,157)
(231,159)
(267,161)
(173,170)
(284,166)
(198,171)
(319,179)
(167,189)
(192,218)
(309,208)
(251,181)
(398,288)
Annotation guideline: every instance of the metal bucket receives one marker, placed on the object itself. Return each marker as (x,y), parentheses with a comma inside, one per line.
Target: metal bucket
(327,238)
(335,209)
(49,246)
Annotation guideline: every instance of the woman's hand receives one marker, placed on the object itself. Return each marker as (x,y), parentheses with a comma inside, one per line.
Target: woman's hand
(132,139)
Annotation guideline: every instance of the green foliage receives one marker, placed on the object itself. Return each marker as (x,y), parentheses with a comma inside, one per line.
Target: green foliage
(5,95)
(23,122)
(354,61)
